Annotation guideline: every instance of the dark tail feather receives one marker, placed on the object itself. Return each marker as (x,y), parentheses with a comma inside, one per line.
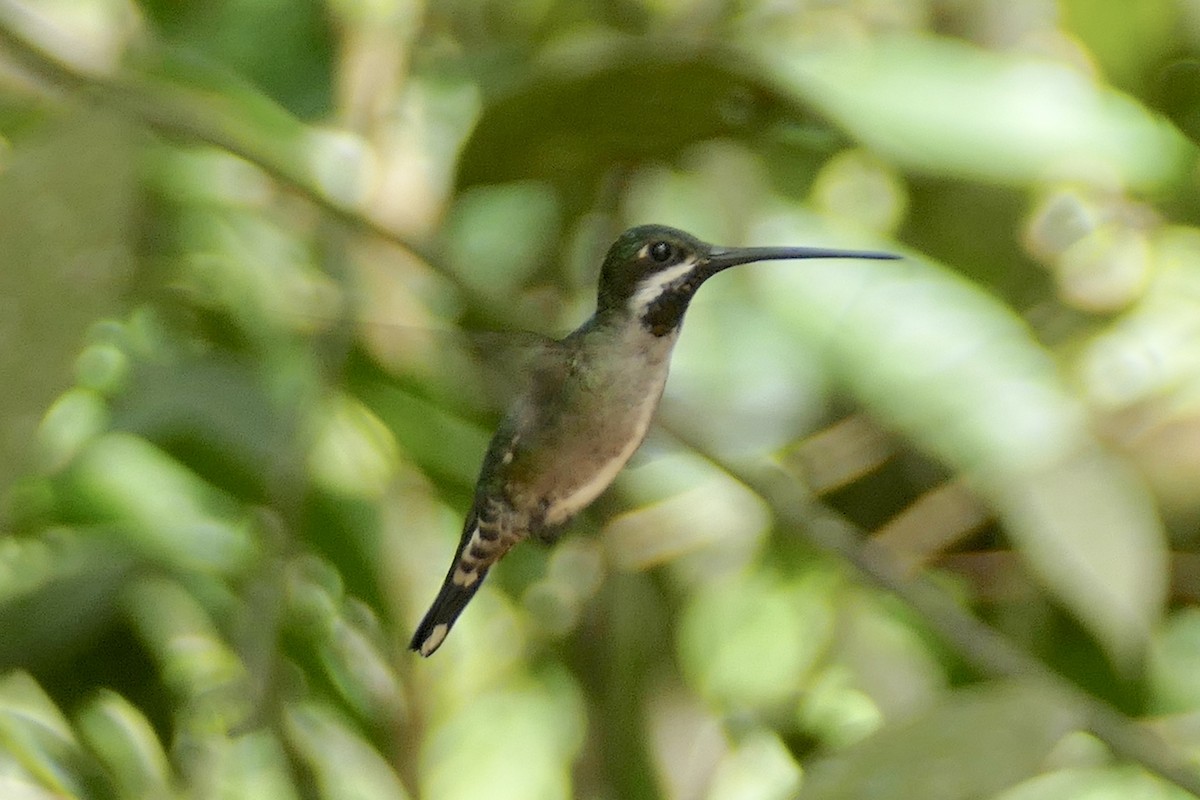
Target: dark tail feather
(440,617)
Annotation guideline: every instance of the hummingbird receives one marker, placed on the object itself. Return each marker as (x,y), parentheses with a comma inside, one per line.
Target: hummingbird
(587,404)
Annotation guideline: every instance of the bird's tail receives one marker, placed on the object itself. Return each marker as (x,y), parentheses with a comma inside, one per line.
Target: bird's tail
(440,617)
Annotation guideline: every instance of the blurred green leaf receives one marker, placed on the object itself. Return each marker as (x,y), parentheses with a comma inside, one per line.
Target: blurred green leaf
(353,452)
(786,624)
(570,128)
(345,766)
(1110,783)
(437,441)
(946,365)
(888,656)
(509,743)
(176,89)
(284,46)
(35,731)
(253,765)
(948,108)
(971,744)
(206,677)
(125,742)
(69,584)
(761,768)
(498,235)
(1175,663)
(346,642)
(67,195)
(75,419)
(1127,39)
(159,507)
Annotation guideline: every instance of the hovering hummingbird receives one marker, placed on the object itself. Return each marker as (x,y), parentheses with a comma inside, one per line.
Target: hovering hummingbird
(587,405)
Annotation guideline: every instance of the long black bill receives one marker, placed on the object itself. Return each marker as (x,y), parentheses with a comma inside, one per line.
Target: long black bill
(720,258)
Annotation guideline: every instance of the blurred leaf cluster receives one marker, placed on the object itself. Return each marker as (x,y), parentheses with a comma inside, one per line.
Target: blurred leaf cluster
(249,250)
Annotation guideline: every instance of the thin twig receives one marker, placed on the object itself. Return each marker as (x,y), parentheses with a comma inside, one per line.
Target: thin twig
(178,112)
(981,646)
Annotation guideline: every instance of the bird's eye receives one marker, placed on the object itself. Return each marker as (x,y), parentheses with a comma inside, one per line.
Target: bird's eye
(660,251)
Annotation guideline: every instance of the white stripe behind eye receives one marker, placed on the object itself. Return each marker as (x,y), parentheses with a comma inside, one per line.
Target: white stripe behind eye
(652,286)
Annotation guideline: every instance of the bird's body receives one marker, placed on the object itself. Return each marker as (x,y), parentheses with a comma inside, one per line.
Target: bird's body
(586,408)
(581,417)
(585,412)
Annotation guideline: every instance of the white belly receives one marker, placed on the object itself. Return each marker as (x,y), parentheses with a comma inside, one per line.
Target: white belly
(578,496)
(590,438)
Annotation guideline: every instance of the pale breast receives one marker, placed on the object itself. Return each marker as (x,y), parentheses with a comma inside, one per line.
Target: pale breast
(607,421)
(601,465)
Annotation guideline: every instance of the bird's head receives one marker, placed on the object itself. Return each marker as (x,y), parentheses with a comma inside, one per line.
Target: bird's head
(652,272)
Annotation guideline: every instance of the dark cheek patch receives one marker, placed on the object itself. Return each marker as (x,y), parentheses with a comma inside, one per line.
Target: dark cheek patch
(665,314)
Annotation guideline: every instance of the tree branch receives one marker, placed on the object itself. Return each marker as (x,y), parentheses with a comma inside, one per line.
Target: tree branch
(177,111)
(981,646)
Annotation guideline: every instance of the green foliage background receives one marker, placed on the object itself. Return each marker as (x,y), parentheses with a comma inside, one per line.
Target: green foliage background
(249,250)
